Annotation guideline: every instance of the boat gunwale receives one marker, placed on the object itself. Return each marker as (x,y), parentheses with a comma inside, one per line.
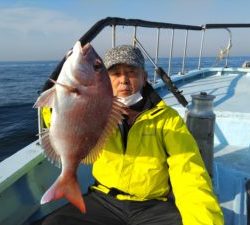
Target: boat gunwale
(18,164)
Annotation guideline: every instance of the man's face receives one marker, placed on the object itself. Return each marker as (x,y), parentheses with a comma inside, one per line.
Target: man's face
(126,80)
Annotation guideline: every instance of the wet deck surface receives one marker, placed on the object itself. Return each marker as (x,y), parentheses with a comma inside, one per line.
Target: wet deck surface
(232,91)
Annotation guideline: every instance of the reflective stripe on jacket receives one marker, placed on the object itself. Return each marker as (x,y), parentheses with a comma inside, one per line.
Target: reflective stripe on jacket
(159,148)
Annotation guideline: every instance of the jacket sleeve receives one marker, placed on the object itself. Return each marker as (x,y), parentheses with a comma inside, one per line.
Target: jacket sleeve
(190,181)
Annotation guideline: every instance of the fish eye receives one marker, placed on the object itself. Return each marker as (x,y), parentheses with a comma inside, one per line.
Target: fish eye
(98,65)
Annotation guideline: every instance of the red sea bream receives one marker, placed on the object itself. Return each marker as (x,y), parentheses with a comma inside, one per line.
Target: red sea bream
(84,112)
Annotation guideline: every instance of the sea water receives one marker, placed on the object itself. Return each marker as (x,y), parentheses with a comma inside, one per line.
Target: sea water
(20,83)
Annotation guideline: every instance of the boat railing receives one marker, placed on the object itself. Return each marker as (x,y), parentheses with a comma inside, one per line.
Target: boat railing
(114,22)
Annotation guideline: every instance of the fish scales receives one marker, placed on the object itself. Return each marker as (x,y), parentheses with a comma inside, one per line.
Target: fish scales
(84,112)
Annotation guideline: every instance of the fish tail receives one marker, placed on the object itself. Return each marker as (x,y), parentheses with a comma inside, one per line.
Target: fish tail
(63,187)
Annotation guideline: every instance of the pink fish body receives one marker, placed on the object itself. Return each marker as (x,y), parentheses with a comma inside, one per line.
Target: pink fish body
(84,112)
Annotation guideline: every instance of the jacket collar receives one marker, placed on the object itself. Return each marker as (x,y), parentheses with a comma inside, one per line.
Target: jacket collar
(150,99)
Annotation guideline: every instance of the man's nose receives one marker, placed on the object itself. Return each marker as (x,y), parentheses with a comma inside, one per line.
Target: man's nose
(124,78)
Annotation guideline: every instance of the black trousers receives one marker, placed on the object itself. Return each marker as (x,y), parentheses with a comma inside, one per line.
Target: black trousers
(104,209)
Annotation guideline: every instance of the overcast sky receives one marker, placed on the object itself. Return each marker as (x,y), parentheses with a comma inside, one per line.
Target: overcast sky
(46,29)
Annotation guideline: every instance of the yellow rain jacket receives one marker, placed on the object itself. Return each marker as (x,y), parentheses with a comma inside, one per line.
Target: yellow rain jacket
(159,148)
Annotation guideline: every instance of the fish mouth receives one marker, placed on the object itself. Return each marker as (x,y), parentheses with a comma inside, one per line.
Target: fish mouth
(86,49)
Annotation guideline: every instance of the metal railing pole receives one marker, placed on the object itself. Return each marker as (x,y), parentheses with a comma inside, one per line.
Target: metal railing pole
(113,36)
(171,53)
(40,124)
(229,46)
(184,53)
(226,63)
(201,48)
(134,37)
(157,51)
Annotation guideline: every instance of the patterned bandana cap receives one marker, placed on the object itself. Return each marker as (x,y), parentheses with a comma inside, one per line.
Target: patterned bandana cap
(124,54)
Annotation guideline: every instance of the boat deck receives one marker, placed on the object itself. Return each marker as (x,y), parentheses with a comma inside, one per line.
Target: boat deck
(232,90)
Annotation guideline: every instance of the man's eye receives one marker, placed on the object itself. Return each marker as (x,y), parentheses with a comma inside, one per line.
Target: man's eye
(132,73)
(115,74)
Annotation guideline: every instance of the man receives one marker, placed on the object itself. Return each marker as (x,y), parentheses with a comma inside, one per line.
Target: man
(148,157)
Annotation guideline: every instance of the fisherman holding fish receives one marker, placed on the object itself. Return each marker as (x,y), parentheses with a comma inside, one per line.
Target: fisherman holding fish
(149,170)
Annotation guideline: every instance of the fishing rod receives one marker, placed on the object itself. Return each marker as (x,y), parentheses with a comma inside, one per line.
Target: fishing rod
(164,76)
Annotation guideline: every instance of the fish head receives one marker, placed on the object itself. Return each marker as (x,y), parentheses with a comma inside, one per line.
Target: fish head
(86,65)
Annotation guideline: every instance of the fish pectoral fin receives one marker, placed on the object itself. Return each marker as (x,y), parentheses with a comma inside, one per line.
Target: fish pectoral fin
(67,87)
(46,98)
(49,152)
(118,111)
(67,187)
(115,118)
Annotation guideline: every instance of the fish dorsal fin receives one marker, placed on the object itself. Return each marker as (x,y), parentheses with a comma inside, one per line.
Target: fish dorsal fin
(49,152)
(115,117)
(46,98)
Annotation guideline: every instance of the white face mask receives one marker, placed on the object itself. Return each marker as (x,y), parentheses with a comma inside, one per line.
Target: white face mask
(130,100)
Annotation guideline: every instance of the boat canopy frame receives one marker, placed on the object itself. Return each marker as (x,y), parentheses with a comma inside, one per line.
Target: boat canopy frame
(116,21)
